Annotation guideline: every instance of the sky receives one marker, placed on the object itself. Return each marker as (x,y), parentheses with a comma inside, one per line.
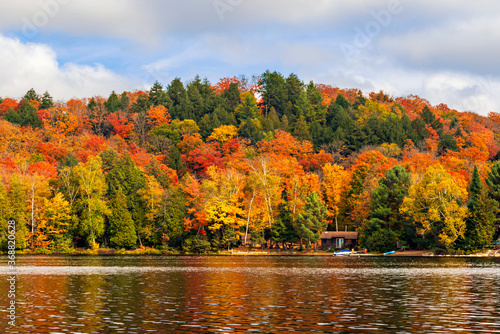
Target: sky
(444,51)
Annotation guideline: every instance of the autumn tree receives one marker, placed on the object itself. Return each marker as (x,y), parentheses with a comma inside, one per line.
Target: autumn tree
(436,204)
(18,210)
(54,220)
(335,181)
(91,205)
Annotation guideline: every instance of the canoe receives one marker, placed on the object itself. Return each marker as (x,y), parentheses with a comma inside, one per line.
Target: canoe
(391,252)
(342,252)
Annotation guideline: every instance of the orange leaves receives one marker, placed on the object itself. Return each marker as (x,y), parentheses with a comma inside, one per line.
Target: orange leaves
(121,125)
(44,169)
(158,115)
(95,143)
(6,104)
(48,149)
(190,142)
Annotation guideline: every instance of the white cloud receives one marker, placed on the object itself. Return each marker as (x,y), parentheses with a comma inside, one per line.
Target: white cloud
(31,65)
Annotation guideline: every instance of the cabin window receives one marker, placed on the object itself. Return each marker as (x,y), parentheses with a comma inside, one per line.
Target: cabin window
(339,242)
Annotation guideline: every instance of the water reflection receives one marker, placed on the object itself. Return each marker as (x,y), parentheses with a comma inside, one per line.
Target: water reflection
(129,294)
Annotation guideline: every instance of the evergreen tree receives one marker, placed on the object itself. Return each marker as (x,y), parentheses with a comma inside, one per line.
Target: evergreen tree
(26,116)
(113,103)
(312,221)
(31,95)
(232,95)
(46,102)
(121,226)
(480,224)
(121,172)
(493,182)
(294,87)
(386,201)
(158,96)
(248,107)
(301,131)
(205,125)
(249,130)
(274,91)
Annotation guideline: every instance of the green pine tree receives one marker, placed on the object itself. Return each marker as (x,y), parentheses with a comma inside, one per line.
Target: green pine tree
(122,232)
(312,221)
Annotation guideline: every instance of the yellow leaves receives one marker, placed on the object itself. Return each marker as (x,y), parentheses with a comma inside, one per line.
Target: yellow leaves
(390,150)
(436,204)
(368,109)
(335,182)
(223,202)
(151,194)
(224,133)
(54,215)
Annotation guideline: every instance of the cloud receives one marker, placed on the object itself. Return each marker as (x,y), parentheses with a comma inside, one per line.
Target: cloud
(31,65)
(465,44)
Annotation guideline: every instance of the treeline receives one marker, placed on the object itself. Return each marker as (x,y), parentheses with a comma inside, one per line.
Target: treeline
(202,167)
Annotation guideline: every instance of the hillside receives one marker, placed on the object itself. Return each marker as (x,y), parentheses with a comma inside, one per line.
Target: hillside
(198,166)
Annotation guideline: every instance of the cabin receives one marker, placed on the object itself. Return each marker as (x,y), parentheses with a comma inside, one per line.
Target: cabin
(339,240)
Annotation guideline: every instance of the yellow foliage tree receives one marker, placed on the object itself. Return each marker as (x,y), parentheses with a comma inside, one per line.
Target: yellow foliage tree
(335,181)
(224,133)
(437,205)
(54,216)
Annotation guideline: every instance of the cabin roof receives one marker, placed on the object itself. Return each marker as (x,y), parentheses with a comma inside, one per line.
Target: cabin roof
(345,235)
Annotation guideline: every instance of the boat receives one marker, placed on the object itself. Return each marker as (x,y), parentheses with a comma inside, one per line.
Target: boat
(391,252)
(342,252)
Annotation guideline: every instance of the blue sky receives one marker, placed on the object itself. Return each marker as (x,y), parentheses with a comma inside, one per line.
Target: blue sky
(446,51)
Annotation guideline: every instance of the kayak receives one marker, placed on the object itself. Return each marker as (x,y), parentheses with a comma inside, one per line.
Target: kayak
(391,252)
(342,252)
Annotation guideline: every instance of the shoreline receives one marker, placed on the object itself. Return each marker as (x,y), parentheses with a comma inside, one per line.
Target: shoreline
(155,252)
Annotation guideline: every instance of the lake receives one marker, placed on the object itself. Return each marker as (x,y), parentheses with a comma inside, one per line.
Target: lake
(199,294)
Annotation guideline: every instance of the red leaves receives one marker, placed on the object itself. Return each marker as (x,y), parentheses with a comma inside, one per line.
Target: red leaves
(121,125)
(199,159)
(50,150)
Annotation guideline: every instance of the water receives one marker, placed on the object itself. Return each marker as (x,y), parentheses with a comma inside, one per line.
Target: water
(200,294)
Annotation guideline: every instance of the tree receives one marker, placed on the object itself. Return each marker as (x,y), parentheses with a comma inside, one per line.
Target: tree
(121,226)
(480,224)
(247,107)
(54,219)
(334,184)
(4,216)
(31,95)
(493,182)
(158,96)
(224,133)
(301,129)
(387,199)
(436,204)
(313,220)
(274,91)
(152,195)
(46,102)
(18,210)
(26,116)
(91,205)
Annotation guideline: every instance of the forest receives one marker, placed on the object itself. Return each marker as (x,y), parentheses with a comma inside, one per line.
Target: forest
(197,167)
